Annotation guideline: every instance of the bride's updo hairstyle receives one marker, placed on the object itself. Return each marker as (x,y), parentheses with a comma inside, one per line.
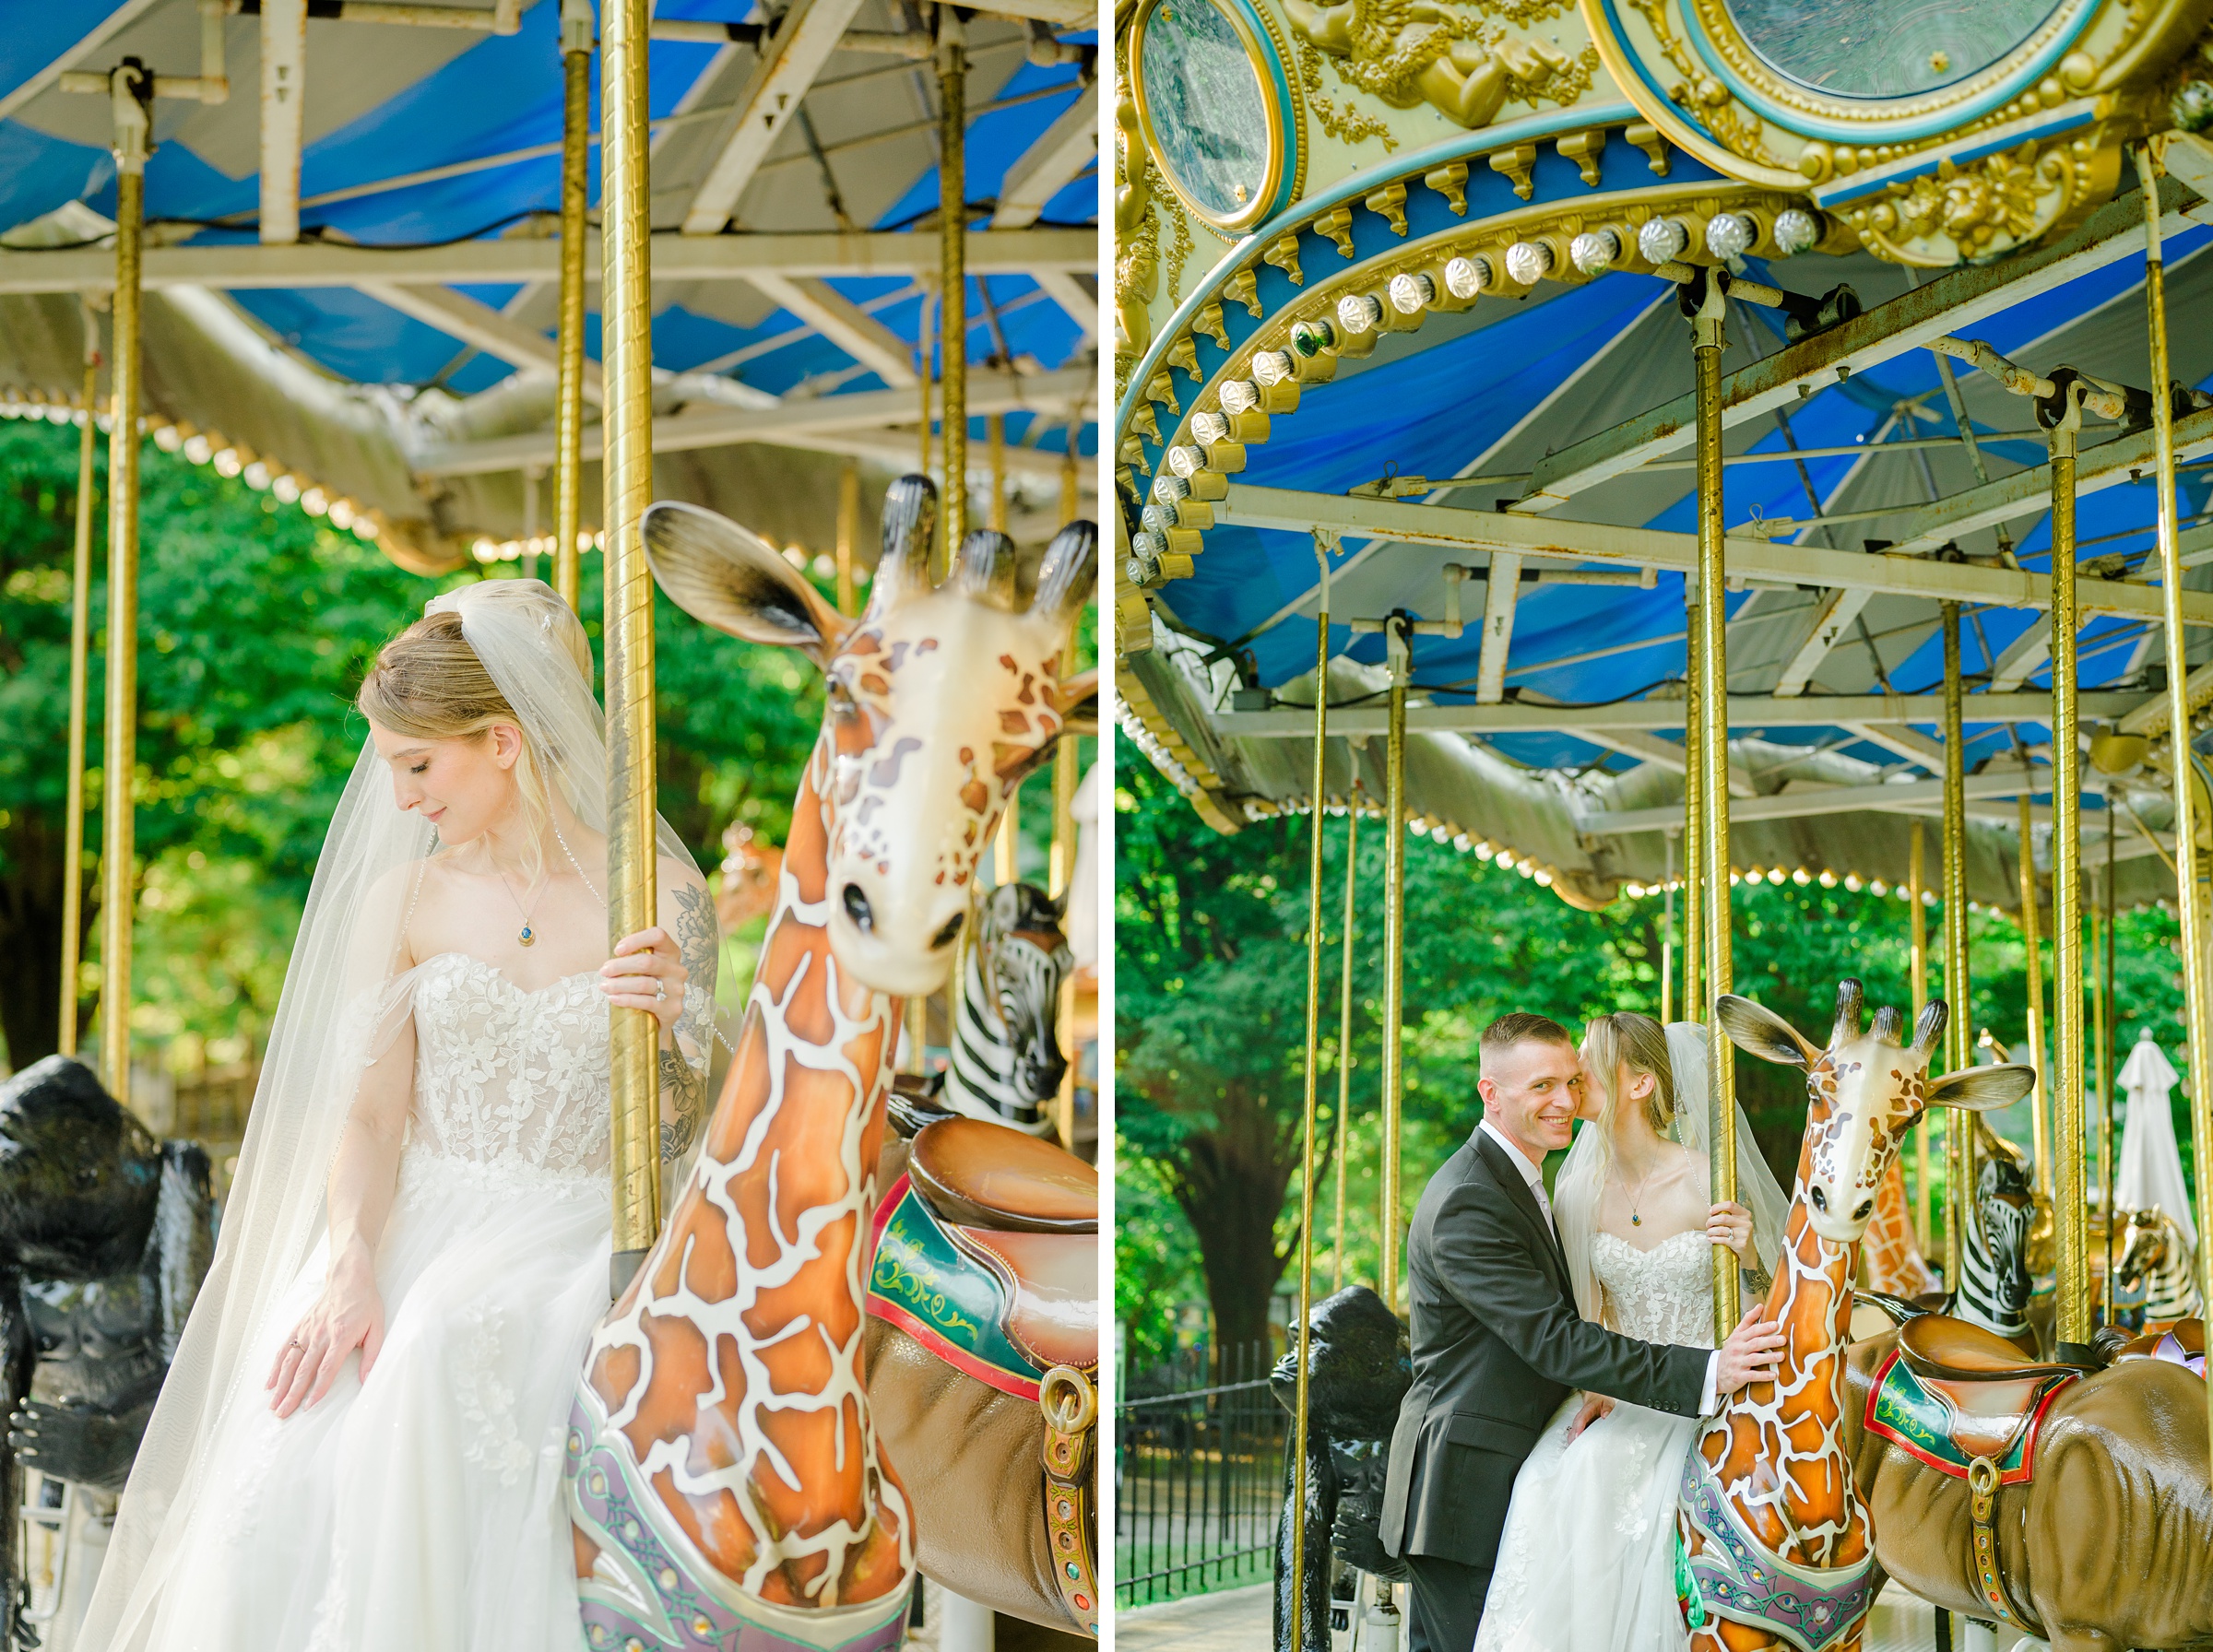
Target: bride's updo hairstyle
(1638,1043)
(429,684)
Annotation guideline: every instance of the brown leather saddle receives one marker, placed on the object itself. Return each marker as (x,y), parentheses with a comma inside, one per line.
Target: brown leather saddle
(988,1176)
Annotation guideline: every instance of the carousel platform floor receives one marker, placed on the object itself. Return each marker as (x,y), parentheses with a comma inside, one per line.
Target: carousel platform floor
(1237,1621)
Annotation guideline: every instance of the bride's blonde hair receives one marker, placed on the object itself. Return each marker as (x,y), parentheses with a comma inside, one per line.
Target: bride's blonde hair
(428,683)
(1638,1043)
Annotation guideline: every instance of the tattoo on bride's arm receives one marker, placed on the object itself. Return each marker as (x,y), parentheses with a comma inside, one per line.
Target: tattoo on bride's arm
(687,1094)
(698,941)
(1757,1282)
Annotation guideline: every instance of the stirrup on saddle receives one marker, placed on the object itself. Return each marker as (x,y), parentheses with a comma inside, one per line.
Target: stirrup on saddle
(1953,1350)
(986,1175)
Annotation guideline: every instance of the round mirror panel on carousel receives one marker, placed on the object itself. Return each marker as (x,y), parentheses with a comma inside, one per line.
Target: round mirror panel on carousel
(1885,49)
(1214,108)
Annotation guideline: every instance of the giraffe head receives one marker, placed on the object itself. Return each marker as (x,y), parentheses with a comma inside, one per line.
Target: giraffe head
(941,697)
(1866,1091)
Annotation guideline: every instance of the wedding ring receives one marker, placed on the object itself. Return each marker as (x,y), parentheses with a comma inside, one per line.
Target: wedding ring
(659,991)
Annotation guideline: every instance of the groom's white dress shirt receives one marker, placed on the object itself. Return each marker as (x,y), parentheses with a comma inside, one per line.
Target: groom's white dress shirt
(1709,1400)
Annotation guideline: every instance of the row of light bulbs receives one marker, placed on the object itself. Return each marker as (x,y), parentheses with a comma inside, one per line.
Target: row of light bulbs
(1852,881)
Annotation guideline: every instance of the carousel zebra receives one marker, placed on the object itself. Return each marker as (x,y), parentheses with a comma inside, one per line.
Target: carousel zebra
(1006,1035)
(1994,1284)
(2158,1261)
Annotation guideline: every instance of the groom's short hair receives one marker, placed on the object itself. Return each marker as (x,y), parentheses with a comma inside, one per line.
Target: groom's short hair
(1522,1027)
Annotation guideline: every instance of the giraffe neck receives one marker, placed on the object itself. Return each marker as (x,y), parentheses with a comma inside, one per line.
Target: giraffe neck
(1894,1260)
(732,1366)
(1780,1445)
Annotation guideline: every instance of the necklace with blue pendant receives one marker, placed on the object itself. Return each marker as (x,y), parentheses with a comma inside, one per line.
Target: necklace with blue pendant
(526,935)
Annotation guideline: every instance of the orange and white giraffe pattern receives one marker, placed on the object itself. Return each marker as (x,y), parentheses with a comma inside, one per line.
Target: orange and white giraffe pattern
(727,1485)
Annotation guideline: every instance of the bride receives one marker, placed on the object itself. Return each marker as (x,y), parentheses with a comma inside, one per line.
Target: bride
(424,1185)
(1586,1563)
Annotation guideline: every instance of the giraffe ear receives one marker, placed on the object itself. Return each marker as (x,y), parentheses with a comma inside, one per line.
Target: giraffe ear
(728,576)
(1758,1031)
(1981,1089)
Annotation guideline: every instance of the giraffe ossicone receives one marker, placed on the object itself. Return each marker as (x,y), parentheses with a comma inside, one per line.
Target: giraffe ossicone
(726,1487)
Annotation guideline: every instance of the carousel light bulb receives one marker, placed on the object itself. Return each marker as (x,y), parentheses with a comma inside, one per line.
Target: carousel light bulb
(1272,367)
(255,475)
(1801,877)
(197,451)
(1634,891)
(1663,240)
(1463,842)
(1468,277)
(315,501)
(1155,519)
(1827,879)
(1312,337)
(1775,875)
(1734,879)
(1524,868)
(1594,252)
(1440,835)
(1484,850)
(1168,489)
(1731,234)
(342,512)
(1186,462)
(1796,230)
(1505,859)
(484,550)
(1412,294)
(285,489)
(1544,879)
(1240,395)
(1359,313)
(228,463)
(1209,428)
(1879,887)
(168,438)
(1529,262)
(1851,882)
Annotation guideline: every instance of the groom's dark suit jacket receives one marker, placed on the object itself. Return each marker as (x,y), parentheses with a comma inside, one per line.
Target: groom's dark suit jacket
(1496,1345)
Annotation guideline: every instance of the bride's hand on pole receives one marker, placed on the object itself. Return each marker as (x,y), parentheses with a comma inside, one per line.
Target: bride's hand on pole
(1731,1225)
(348,1314)
(647,972)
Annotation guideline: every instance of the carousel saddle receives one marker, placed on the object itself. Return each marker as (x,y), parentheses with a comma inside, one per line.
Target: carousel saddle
(1953,1394)
(2182,1343)
(966,1265)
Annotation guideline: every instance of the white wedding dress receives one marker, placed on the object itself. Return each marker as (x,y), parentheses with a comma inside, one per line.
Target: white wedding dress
(1587,1562)
(423,1508)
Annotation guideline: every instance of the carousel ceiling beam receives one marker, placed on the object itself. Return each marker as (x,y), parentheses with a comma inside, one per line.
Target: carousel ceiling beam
(1901,742)
(505,263)
(1745,711)
(1959,297)
(2022,657)
(1079,303)
(840,321)
(283,84)
(107,29)
(2029,492)
(1884,574)
(1660,753)
(1833,616)
(2150,719)
(460,317)
(790,60)
(1501,591)
(728,427)
(1913,797)
(1050,165)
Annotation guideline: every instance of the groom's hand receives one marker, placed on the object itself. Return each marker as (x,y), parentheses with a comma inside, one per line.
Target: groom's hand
(1594,1407)
(1751,1354)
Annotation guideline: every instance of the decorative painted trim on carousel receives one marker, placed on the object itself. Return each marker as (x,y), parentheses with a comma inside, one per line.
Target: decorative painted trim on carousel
(1396,288)
(235,460)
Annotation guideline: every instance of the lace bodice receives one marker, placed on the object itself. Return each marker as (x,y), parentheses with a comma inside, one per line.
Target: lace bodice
(1664,1294)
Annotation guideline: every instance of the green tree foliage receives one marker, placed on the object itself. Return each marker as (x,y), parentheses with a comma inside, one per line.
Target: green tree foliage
(1211,1016)
(256,623)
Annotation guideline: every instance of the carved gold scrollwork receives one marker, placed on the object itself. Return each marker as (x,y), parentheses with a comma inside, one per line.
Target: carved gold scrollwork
(1136,243)
(1461,61)
(1976,212)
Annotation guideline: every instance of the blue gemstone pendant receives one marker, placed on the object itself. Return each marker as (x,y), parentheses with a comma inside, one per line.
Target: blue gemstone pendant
(1635,1220)
(526,937)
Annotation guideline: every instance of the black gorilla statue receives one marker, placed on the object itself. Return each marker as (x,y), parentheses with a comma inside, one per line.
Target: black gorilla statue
(1359,1370)
(105,1234)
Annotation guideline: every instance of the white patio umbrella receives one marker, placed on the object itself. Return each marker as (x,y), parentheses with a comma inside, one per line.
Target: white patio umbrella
(2151,1165)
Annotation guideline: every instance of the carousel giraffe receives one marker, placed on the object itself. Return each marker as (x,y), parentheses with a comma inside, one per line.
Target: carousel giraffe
(1776,1545)
(728,1486)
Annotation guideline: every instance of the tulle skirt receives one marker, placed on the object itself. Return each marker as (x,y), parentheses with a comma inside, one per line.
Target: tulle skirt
(1587,1562)
(421,1510)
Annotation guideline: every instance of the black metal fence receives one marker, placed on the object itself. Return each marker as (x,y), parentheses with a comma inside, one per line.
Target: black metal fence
(1199,1476)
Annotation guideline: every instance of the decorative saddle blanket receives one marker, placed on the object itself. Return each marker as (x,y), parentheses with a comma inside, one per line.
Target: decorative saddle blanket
(2182,1343)
(1949,1424)
(1735,1576)
(1006,1307)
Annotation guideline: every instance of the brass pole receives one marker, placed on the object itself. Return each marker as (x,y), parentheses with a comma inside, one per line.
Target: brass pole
(1060,865)
(1667,937)
(997,426)
(2110,1020)
(1694,810)
(2032,940)
(1345,1031)
(848,529)
(922,377)
(2196,991)
(952,248)
(132,93)
(1713,760)
(1959,1028)
(80,654)
(1305,1175)
(1005,859)
(626,312)
(1394,954)
(2065,1180)
(576,28)
(1918,964)
(1071,458)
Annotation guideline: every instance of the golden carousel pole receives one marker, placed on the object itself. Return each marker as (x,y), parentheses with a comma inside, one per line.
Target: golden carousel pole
(131,94)
(2032,940)
(80,652)
(1667,936)
(952,275)
(848,529)
(2063,1181)
(1305,1175)
(1062,864)
(2108,1021)
(1917,930)
(1714,761)
(1694,851)
(568,396)
(1959,1028)
(2198,992)
(1395,955)
(626,310)
(1345,1031)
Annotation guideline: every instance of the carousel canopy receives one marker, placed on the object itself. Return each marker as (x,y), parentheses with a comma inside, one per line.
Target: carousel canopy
(396,354)
(1526,464)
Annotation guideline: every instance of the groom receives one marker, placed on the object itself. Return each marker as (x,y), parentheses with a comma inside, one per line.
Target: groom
(1497,1342)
